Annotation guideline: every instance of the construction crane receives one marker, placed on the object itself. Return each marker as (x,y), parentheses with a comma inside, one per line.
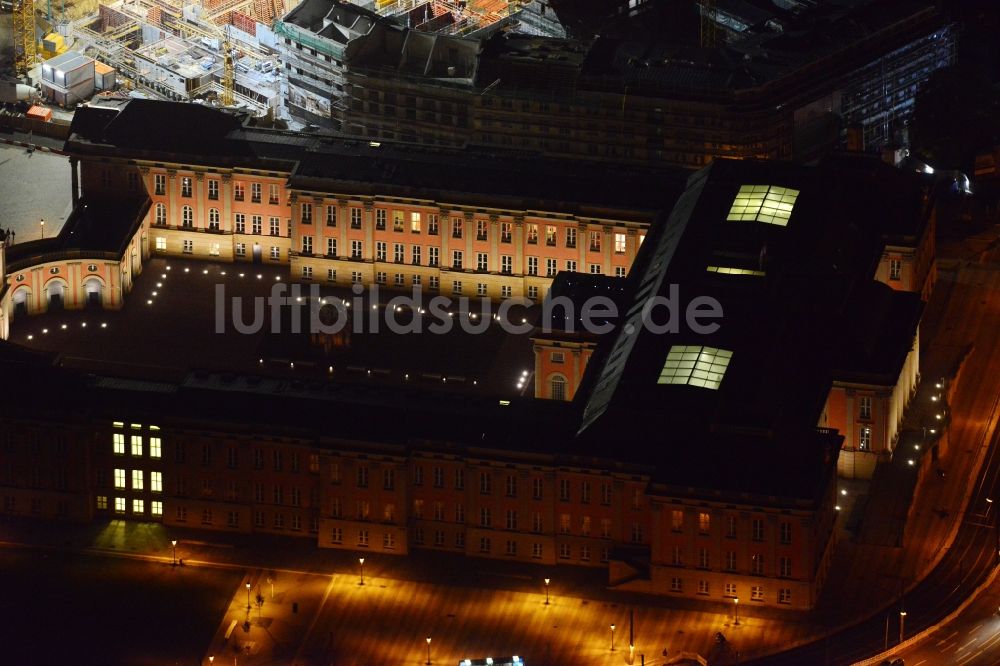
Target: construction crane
(25,46)
(708,27)
(228,70)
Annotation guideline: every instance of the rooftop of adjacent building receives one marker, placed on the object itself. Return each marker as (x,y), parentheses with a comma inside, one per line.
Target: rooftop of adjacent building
(799,308)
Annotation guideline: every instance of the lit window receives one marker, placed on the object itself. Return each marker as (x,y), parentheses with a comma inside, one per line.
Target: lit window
(119,478)
(154,447)
(695,365)
(763,203)
(137,479)
(156,482)
(119,444)
(102,502)
(865,439)
(729,270)
(119,505)
(156,508)
(137,445)
(138,506)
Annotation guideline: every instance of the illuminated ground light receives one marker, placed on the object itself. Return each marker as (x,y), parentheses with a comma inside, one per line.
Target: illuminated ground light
(30,336)
(259,276)
(837,508)
(155,293)
(223,272)
(242,274)
(843,492)
(104,325)
(937,416)
(163,276)
(149,301)
(83,324)
(187,270)
(45,331)
(204,272)
(159,285)
(168,268)
(64,327)
(910,462)
(916,447)
(278,278)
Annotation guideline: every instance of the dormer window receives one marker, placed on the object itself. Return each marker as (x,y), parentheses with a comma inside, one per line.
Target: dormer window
(763,203)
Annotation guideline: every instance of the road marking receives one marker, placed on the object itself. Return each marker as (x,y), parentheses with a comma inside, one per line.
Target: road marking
(949,646)
(947,638)
(968,644)
(976,628)
(922,661)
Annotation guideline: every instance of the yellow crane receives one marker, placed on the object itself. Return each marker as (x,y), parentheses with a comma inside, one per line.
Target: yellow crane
(228,71)
(25,46)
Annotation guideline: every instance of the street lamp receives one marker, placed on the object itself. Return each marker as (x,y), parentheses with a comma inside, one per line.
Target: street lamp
(612,636)
(361,561)
(41,223)
(736,611)
(173,559)
(211,659)
(248,596)
(546,591)
(902,623)
(428,649)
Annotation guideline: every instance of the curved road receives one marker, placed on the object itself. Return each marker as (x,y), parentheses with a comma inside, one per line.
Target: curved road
(973,314)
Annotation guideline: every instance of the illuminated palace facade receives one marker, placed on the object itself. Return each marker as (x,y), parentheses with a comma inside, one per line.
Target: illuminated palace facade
(336,212)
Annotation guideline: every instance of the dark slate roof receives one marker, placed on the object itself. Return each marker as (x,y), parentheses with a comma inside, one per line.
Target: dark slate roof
(203,135)
(96,226)
(534,182)
(792,331)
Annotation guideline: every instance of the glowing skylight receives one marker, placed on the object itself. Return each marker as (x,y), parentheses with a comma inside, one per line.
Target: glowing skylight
(729,270)
(763,203)
(695,365)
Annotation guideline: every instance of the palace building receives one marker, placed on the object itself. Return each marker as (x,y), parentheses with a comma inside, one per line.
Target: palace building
(473,223)
(688,463)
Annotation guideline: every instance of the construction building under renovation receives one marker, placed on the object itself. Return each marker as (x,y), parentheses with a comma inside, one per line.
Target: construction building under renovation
(749,79)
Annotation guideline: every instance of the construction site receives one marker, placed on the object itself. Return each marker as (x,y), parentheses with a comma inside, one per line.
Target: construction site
(219,52)
(213,52)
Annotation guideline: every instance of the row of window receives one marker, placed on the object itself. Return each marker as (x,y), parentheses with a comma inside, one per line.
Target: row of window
(400,223)
(704,525)
(239,189)
(138,480)
(136,445)
(756,567)
(278,519)
(510,487)
(138,506)
(729,590)
(363,540)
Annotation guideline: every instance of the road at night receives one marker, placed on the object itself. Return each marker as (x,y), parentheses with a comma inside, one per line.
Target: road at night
(973,315)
